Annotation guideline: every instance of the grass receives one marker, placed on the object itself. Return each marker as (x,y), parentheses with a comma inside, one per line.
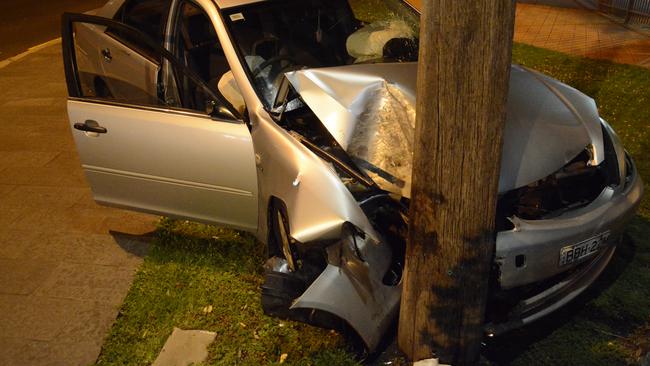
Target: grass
(201,277)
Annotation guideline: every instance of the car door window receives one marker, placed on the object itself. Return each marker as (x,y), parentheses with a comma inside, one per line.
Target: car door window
(196,45)
(148,16)
(111,68)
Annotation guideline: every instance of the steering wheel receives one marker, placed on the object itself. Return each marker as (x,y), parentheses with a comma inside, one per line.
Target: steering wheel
(273,60)
(259,42)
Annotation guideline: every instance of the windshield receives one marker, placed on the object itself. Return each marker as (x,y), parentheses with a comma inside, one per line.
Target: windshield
(275,37)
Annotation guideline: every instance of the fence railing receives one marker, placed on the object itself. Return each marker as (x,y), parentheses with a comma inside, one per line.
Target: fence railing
(631,11)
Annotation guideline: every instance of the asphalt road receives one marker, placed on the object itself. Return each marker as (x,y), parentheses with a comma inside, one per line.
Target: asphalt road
(27,23)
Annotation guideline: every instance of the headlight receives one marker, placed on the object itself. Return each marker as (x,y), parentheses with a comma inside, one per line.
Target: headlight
(614,154)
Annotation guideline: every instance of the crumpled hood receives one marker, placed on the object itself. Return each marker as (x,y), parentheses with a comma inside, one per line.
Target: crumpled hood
(370,110)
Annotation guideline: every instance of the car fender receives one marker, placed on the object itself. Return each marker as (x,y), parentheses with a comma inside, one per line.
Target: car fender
(351,288)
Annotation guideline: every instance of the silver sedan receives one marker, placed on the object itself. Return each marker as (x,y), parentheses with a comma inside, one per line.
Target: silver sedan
(294,120)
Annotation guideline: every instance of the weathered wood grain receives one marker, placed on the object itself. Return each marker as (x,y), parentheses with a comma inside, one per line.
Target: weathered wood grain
(464,66)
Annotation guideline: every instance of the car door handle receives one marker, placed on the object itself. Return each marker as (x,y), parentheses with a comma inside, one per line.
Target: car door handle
(90,126)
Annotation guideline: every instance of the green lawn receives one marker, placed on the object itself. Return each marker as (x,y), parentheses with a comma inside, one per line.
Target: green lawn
(200,277)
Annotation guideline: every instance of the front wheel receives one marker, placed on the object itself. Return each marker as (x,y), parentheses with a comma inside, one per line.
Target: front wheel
(281,243)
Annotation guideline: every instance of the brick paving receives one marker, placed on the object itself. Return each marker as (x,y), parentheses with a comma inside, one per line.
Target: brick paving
(581,32)
(65,262)
(555,3)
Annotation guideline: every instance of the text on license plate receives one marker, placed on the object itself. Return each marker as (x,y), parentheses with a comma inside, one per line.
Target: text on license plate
(575,252)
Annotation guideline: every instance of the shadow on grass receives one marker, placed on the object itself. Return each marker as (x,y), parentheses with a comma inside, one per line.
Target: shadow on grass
(221,249)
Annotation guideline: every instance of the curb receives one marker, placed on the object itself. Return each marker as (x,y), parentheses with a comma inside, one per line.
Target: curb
(10,60)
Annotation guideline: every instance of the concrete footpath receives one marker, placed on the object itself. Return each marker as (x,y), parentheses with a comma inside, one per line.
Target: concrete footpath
(65,263)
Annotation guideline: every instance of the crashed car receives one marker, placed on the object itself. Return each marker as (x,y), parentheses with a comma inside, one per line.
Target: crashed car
(294,120)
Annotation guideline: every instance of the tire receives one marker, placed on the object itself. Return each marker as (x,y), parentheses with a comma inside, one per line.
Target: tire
(281,244)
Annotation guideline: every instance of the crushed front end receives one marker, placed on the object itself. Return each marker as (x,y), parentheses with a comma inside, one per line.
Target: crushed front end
(559,234)
(567,189)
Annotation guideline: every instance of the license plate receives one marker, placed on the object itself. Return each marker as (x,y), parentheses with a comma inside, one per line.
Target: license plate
(575,252)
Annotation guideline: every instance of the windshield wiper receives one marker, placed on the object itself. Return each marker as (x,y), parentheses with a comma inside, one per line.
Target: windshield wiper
(379,171)
(334,160)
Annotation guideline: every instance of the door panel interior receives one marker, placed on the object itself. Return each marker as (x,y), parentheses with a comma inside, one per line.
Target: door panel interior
(109,69)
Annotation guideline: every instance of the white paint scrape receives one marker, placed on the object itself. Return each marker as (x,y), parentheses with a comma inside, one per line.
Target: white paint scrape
(31,50)
(185,347)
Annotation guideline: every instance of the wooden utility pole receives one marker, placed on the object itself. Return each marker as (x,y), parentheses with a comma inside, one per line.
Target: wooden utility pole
(463,78)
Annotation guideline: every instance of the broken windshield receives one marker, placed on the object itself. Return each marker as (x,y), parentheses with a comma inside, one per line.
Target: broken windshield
(276,37)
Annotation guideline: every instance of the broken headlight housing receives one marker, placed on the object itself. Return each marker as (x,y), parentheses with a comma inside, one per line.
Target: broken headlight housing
(575,185)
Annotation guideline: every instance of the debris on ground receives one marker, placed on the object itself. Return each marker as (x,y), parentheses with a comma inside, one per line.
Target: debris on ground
(185,347)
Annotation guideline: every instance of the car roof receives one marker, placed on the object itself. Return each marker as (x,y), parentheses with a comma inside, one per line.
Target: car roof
(112,6)
(224,4)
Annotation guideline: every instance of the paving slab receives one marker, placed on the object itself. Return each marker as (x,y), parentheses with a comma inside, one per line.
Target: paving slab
(557,3)
(90,282)
(42,177)
(14,243)
(38,196)
(6,189)
(54,320)
(23,276)
(9,215)
(20,351)
(25,158)
(185,347)
(94,249)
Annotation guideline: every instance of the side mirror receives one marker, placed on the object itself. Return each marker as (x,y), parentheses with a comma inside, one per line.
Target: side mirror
(214,109)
